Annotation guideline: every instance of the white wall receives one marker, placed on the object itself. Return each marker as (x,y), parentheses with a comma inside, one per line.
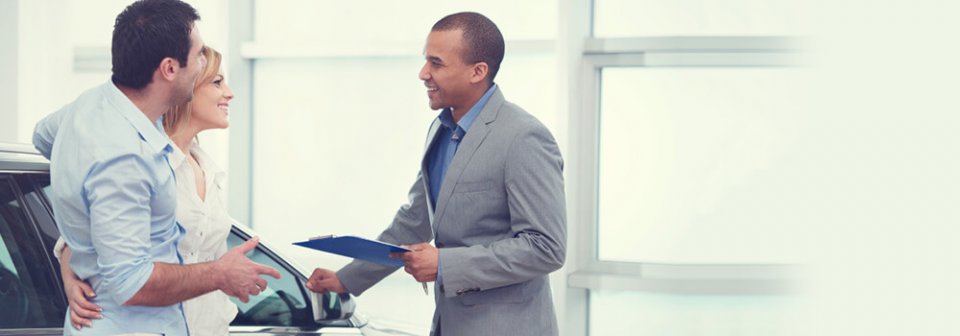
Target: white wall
(9,18)
(59,33)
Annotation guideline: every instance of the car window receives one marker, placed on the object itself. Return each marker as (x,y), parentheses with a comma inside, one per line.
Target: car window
(29,291)
(34,188)
(283,303)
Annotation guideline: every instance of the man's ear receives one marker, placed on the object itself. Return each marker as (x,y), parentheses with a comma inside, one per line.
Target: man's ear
(169,68)
(480,72)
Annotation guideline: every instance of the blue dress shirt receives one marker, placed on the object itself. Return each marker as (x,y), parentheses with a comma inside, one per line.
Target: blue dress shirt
(448,140)
(114,198)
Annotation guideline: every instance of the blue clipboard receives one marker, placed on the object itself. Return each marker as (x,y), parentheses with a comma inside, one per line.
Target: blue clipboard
(357,248)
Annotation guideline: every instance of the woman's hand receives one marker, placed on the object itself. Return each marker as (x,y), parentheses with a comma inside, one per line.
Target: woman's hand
(79,293)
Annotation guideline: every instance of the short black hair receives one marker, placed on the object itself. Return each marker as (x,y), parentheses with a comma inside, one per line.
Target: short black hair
(145,33)
(483,40)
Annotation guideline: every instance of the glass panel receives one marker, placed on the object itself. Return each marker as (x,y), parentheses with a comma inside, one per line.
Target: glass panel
(703,165)
(281,304)
(35,189)
(372,21)
(642,313)
(626,18)
(29,291)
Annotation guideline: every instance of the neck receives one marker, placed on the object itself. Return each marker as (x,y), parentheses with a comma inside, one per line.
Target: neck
(151,103)
(183,137)
(473,97)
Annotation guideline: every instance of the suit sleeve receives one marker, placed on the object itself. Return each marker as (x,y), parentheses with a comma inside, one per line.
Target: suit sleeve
(411,225)
(533,181)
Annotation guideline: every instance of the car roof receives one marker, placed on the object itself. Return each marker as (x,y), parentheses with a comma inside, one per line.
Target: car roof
(21,158)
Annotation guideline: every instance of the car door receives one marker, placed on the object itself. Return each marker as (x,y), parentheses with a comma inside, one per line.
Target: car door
(286,307)
(32,301)
(31,297)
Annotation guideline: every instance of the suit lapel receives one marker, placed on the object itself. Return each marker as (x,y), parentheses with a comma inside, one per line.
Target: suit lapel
(424,165)
(465,152)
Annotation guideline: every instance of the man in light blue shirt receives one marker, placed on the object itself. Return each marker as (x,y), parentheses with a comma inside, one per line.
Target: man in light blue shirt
(114,194)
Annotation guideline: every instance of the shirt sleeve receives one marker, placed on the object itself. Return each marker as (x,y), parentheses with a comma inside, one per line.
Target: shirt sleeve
(58,247)
(118,194)
(45,132)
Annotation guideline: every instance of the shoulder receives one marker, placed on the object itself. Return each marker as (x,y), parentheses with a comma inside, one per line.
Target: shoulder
(520,124)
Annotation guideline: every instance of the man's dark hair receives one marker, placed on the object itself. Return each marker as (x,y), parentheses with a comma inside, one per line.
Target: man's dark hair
(145,33)
(483,41)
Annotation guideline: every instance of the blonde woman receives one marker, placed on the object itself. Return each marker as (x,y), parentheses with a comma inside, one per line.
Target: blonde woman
(201,209)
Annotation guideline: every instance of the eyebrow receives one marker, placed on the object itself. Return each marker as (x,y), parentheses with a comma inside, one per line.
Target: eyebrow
(435,59)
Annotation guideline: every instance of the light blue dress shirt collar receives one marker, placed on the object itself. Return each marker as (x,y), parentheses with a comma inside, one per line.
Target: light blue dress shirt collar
(151,133)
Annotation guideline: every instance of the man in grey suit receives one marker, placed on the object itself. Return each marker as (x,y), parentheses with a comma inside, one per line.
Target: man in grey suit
(489,194)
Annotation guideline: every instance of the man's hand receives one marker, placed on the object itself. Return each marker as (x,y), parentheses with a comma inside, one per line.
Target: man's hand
(240,277)
(421,262)
(324,280)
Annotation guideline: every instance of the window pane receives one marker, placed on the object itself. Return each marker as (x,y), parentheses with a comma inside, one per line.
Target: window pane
(625,18)
(29,292)
(641,313)
(700,165)
(35,190)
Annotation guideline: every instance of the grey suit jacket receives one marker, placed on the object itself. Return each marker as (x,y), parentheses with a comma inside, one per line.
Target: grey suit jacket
(499,222)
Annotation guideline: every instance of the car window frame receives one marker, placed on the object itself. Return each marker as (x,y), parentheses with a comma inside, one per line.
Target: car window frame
(301,280)
(16,179)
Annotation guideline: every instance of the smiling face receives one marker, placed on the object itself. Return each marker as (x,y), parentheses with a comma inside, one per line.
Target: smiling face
(211,102)
(445,74)
(210,105)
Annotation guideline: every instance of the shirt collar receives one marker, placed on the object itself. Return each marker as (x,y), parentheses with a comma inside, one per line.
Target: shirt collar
(446,116)
(178,158)
(151,133)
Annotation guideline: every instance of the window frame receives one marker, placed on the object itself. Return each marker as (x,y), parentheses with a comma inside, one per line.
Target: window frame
(651,52)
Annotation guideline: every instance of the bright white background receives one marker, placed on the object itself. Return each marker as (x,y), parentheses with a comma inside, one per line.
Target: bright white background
(847,164)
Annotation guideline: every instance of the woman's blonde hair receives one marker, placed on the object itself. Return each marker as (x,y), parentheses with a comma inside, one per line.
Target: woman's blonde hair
(180,114)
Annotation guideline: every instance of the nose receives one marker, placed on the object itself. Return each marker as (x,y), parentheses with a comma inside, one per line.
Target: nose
(227,91)
(424,73)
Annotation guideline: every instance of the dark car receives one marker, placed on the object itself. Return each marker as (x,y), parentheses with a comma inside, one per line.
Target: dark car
(32,300)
